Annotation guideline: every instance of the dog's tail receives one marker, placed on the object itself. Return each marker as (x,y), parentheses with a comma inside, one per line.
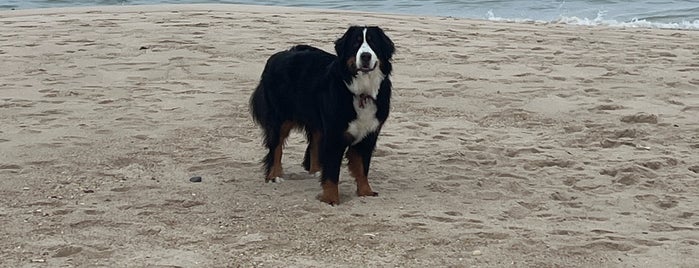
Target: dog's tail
(258,105)
(261,106)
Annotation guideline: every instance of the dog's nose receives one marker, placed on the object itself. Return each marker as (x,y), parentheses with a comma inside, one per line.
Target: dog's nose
(365,57)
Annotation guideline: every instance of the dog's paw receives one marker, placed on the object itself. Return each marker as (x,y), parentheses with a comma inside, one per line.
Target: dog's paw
(329,199)
(316,174)
(367,193)
(275,180)
(331,193)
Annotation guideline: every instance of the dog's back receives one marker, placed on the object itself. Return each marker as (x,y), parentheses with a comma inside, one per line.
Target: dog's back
(285,83)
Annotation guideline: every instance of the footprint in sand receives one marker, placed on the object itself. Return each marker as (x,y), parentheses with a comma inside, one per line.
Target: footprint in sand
(11,167)
(630,169)
(640,118)
(666,202)
(608,107)
(603,246)
(66,251)
(93,212)
(694,169)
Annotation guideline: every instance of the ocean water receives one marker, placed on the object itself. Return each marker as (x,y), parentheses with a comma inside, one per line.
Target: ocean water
(674,14)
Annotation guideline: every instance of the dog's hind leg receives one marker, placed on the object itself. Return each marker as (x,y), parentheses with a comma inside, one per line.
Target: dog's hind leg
(311,161)
(275,143)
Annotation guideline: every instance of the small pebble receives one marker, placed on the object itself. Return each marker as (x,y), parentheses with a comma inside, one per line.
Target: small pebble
(195,179)
(477,253)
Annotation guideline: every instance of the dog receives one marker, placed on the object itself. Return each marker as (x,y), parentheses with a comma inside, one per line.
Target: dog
(340,101)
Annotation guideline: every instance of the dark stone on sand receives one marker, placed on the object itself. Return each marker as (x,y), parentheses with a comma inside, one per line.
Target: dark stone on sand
(195,179)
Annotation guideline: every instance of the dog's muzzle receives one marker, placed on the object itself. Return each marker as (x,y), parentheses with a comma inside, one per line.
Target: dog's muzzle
(365,62)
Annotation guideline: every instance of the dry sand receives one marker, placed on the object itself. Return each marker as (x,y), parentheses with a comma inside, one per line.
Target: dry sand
(509,145)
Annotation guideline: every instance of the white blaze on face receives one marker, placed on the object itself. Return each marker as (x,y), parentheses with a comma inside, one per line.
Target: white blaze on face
(365,48)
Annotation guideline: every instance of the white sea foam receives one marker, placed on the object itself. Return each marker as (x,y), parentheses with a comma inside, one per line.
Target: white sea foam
(601,21)
(636,23)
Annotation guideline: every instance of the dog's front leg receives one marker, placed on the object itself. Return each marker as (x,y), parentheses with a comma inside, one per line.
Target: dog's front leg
(332,150)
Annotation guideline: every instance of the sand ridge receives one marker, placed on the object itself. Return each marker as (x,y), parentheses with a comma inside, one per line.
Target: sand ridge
(522,145)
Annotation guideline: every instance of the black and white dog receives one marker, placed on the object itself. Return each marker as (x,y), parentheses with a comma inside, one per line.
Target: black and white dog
(341,102)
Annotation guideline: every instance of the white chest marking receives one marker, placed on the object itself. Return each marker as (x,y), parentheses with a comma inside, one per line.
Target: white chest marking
(366,121)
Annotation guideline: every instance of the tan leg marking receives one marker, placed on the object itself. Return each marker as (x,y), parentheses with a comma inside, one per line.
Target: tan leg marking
(331,193)
(276,171)
(315,146)
(356,169)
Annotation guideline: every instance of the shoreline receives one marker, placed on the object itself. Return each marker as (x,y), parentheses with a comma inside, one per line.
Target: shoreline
(571,21)
(182,7)
(527,145)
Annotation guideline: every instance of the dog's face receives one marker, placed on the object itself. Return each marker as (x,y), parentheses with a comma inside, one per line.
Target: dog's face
(364,49)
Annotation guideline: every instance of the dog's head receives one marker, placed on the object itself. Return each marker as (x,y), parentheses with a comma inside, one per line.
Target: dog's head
(364,49)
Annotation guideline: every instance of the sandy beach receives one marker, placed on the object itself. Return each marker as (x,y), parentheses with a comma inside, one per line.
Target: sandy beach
(508,145)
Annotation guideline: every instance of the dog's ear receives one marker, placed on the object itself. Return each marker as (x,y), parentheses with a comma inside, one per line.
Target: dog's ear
(387,44)
(340,43)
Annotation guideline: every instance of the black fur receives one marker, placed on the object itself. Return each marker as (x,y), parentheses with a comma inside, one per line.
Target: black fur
(307,86)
